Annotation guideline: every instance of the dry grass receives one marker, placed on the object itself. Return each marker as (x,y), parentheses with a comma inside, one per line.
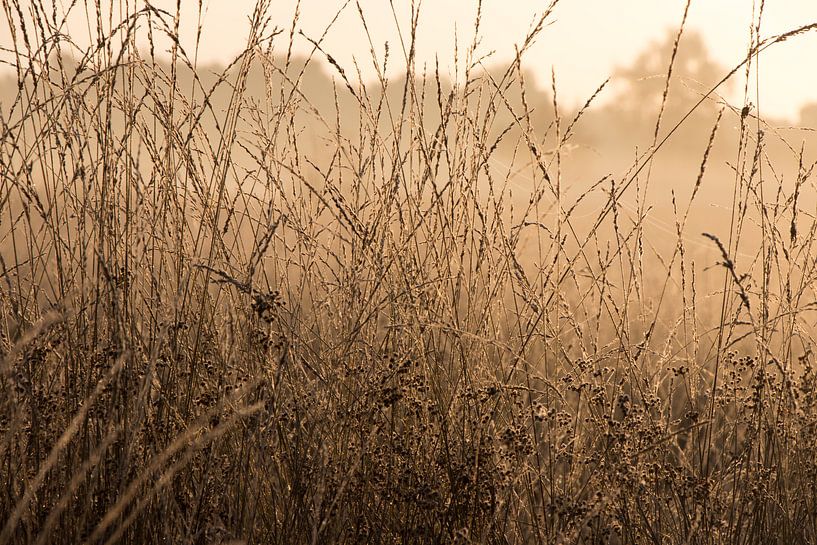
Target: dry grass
(232,314)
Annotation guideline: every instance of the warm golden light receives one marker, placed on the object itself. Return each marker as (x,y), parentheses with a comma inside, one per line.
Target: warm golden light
(391,272)
(585,42)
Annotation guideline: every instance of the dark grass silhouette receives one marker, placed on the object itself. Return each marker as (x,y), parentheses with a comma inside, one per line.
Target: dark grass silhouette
(269,304)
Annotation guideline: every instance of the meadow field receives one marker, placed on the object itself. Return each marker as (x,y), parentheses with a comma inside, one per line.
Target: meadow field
(269,303)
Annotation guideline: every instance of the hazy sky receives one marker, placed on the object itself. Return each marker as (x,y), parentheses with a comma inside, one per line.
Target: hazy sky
(586,40)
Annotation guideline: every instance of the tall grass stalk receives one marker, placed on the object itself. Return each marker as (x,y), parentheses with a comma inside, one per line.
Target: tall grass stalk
(237,309)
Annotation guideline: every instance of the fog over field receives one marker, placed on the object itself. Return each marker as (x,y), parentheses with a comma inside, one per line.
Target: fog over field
(276,301)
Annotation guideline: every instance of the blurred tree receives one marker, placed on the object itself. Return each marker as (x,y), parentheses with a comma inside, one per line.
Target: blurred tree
(642,84)
(808,115)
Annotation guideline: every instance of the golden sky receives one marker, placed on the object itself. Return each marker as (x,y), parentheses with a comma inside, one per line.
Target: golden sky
(586,40)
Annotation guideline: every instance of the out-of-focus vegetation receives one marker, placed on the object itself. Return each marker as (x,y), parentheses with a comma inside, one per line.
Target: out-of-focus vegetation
(267,303)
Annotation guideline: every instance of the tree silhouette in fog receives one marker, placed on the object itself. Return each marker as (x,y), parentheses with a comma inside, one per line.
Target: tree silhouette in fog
(808,115)
(642,83)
